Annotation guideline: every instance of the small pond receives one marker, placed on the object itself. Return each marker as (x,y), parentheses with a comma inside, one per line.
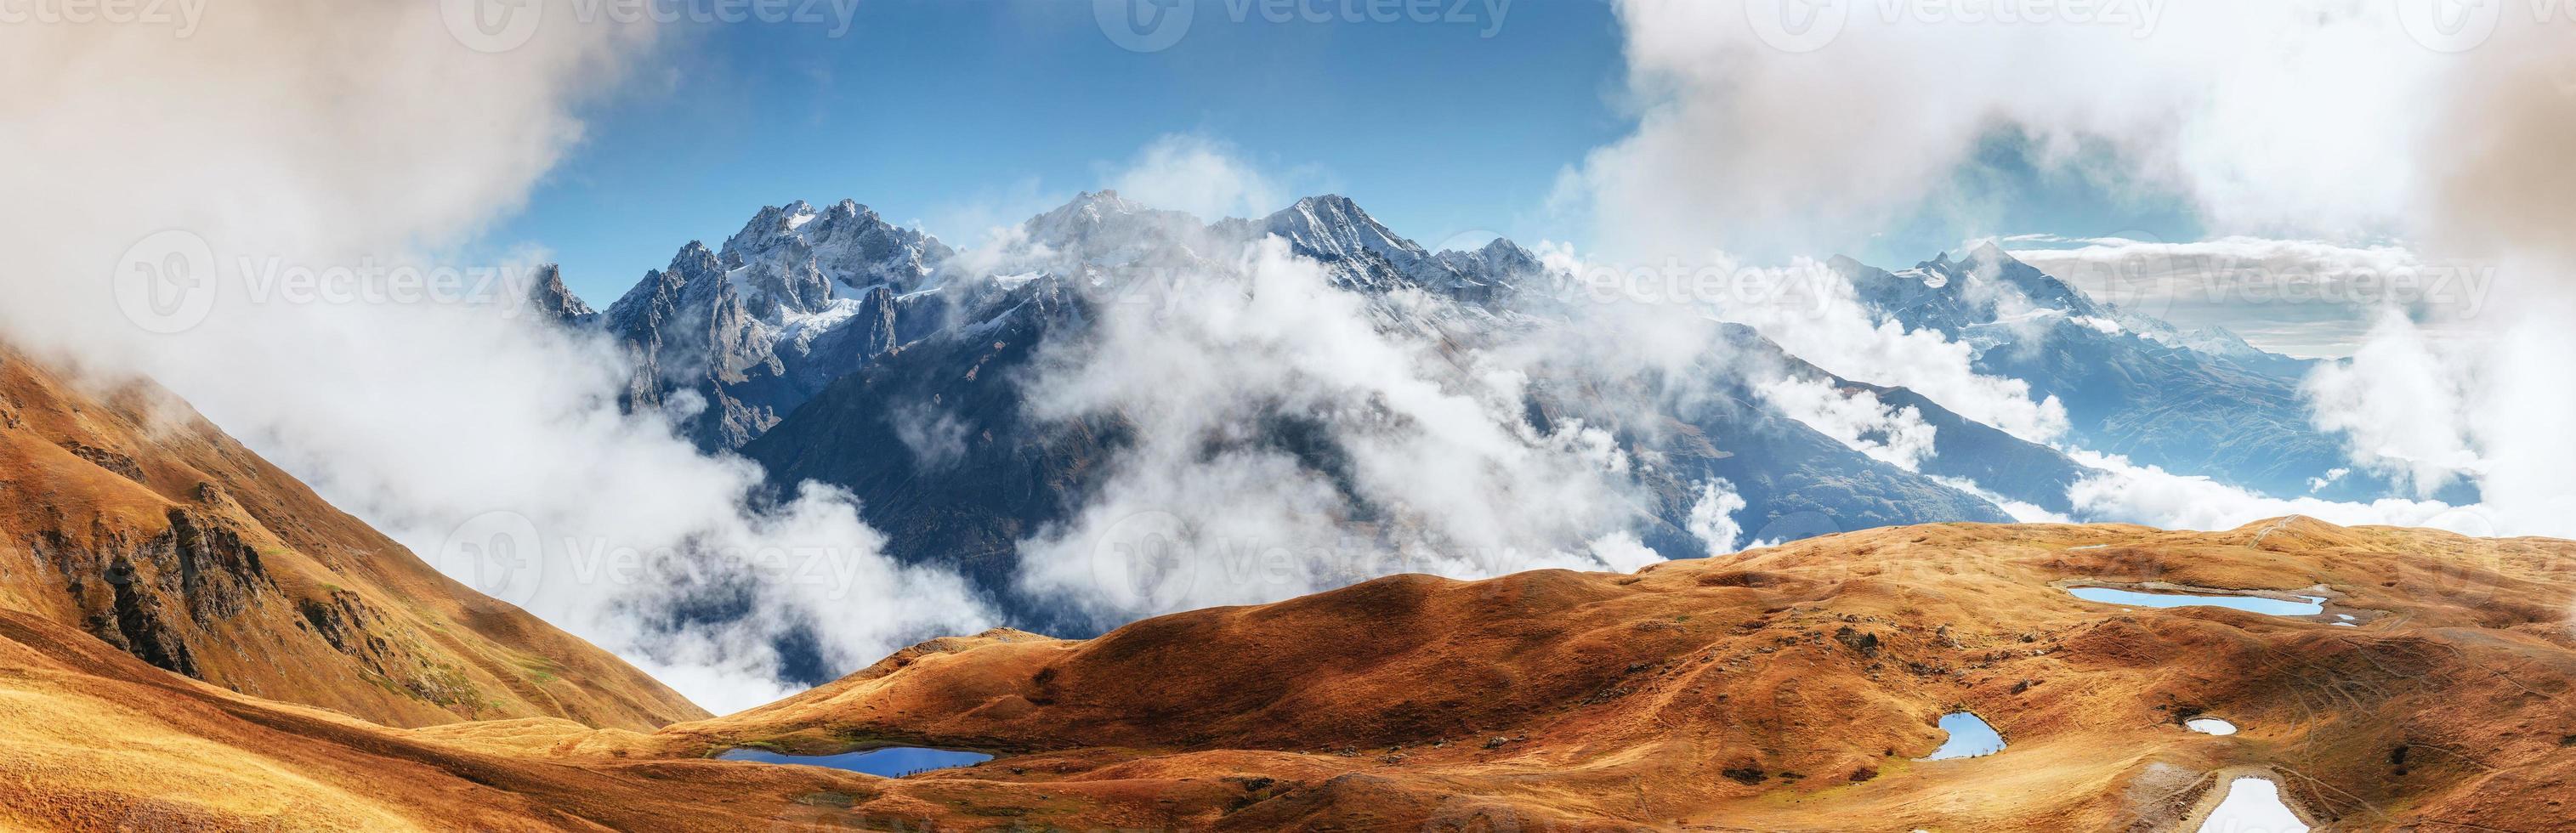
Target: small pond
(1969,738)
(891,762)
(2210,726)
(2250,604)
(2252,805)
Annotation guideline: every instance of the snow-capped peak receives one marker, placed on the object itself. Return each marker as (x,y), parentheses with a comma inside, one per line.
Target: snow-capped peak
(1101,226)
(1333,226)
(847,245)
(1089,211)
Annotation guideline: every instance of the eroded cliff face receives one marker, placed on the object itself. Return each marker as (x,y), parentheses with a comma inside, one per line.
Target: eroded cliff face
(125,516)
(153,597)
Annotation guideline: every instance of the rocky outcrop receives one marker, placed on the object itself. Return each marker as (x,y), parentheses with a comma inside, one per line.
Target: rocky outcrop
(731,341)
(550,300)
(161,598)
(124,466)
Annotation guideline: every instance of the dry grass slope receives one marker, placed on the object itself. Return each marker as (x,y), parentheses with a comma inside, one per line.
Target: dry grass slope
(129,517)
(1786,689)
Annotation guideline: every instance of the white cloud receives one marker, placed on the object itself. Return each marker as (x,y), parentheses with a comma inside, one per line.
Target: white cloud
(1855,418)
(933,435)
(2148,495)
(1198,175)
(2397,404)
(2300,297)
(1712,516)
(2306,121)
(1428,464)
(1819,318)
(2251,108)
(2021,511)
(1621,552)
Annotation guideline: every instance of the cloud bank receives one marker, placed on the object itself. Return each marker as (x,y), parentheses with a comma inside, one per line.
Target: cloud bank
(2328,121)
(1288,443)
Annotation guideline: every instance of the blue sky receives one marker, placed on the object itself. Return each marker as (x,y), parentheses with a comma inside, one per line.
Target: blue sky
(961,116)
(928,112)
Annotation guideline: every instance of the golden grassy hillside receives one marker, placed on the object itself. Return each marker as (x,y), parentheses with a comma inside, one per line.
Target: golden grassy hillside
(130,518)
(93,739)
(1789,688)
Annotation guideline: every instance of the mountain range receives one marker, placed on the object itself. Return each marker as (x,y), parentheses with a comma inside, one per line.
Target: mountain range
(192,639)
(831,345)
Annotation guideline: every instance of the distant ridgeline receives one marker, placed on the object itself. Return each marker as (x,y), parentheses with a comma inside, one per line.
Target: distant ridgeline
(815,341)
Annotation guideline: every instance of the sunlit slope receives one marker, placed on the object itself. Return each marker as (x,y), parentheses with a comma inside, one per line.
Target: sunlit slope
(130,518)
(1790,688)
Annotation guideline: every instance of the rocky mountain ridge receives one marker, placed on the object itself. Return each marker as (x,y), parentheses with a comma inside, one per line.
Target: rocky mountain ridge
(898,369)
